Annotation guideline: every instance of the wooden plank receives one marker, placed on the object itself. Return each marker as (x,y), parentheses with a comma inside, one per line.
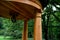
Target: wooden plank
(38,27)
(21,9)
(10,7)
(25,31)
(29,2)
(7,11)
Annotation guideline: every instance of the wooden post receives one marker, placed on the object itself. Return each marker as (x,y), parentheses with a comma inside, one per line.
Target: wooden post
(25,31)
(38,27)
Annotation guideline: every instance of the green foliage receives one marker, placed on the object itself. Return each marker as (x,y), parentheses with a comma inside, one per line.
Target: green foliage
(11,29)
(30,28)
(51,21)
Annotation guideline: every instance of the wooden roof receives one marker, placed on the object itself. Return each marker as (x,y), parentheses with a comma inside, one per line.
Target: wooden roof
(22,8)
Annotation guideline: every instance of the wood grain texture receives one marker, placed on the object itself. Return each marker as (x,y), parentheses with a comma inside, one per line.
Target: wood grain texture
(25,8)
(25,31)
(38,27)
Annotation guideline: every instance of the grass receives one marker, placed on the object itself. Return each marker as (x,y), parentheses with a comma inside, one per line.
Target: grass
(4,38)
(9,38)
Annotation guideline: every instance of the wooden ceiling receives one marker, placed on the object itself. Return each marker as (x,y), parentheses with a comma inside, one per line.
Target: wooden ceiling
(23,9)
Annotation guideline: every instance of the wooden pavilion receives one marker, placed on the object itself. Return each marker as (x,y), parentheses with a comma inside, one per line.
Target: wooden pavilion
(24,10)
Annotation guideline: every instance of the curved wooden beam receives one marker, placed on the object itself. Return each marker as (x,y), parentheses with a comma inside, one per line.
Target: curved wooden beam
(28,2)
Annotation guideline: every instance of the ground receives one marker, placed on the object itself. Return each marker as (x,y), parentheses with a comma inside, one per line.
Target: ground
(8,38)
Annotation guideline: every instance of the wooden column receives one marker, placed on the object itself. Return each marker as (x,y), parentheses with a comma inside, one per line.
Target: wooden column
(25,31)
(38,27)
